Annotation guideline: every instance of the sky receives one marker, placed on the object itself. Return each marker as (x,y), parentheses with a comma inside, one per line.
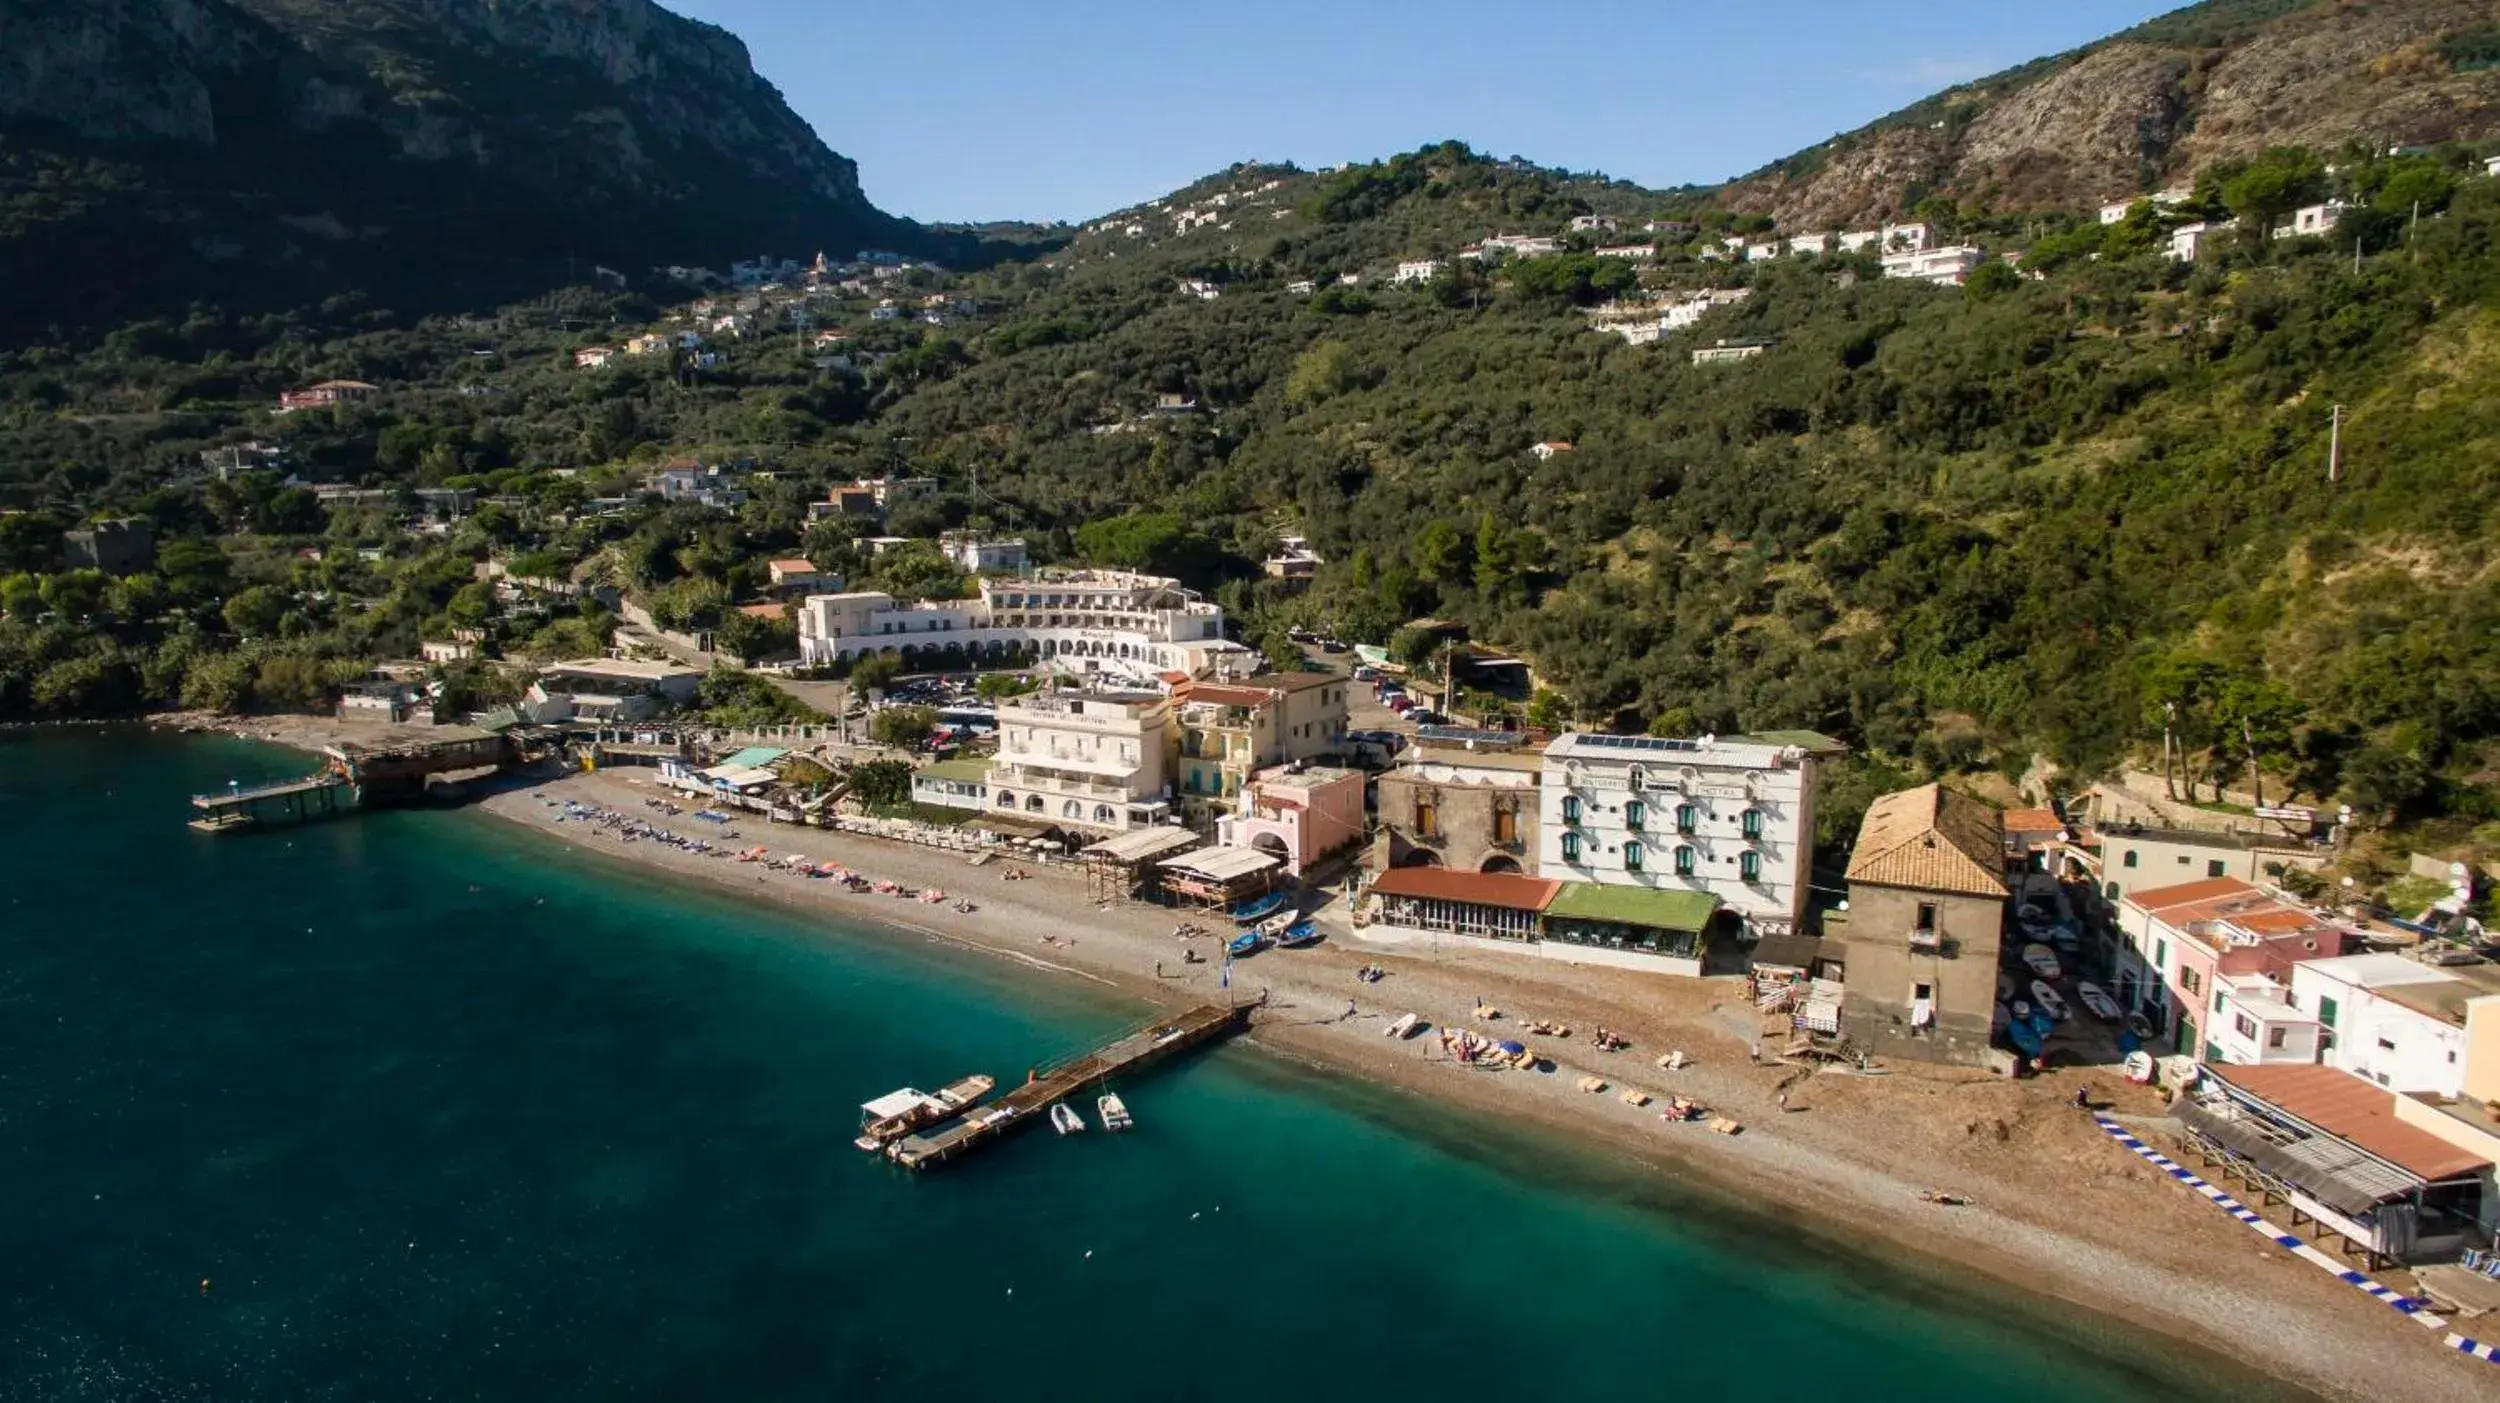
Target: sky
(1069,109)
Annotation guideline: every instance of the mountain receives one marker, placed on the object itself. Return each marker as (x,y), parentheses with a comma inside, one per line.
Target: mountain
(2152,105)
(277,151)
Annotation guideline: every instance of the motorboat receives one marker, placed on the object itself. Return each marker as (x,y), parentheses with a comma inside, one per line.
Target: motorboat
(1404,1027)
(899,1113)
(1298,935)
(1249,942)
(2051,1002)
(1260,908)
(1065,1120)
(1113,1112)
(2041,960)
(2097,999)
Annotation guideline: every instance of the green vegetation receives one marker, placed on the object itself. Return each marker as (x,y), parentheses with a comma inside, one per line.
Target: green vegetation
(2043,516)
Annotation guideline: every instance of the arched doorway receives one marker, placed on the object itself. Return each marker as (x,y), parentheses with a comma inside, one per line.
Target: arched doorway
(1420,857)
(1502,863)
(1274,847)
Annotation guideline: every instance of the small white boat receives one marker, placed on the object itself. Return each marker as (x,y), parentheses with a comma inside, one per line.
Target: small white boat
(1065,1120)
(2098,1000)
(2138,1067)
(1278,924)
(1404,1028)
(2041,960)
(1114,1112)
(2051,1002)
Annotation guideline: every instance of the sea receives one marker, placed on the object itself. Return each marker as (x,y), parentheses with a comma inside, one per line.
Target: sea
(427,1105)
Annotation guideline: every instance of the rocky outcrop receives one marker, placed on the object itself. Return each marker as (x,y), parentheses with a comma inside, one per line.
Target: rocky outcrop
(448,135)
(2151,107)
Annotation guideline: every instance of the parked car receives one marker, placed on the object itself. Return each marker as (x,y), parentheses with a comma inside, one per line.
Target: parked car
(1332,645)
(1365,672)
(1401,704)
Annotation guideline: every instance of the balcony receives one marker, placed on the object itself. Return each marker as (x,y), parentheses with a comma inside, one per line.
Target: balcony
(1932,942)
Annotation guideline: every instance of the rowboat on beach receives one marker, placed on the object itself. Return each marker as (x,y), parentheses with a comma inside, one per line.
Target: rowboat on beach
(2097,999)
(1259,908)
(1274,927)
(1297,935)
(1249,942)
(2041,960)
(1404,1027)
(2050,1001)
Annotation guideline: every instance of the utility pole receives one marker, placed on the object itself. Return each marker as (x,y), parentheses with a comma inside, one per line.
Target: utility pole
(2256,777)
(2335,445)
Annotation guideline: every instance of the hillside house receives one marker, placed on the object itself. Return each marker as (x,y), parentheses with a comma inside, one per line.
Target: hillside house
(593,357)
(1635,253)
(2313,220)
(1926,907)
(1726,352)
(1418,270)
(121,547)
(1946,267)
(1545,451)
(325,395)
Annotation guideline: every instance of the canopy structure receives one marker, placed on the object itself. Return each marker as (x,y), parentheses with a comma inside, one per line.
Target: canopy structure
(738,776)
(1142,845)
(1222,864)
(754,757)
(893,1103)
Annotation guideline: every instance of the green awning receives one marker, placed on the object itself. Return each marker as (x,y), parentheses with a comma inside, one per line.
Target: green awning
(1633,906)
(755,757)
(967,770)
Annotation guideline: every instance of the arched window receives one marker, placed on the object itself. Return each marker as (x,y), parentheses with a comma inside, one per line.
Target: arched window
(1687,818)
(1571,847)
(1102,813)
(1033,803)
(1684,862)
(1571,808)
(1749,866)
(1632,857)
(1634,813)
(1069,808)
(1753,825)
(1006,800)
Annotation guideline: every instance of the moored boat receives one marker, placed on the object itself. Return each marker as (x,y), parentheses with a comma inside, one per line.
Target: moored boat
(1065,1120)
(1114,1112)
(1249,942)
(899,1113)
(2041,960)
(1274,927)
(2097,999)
(2050,1001)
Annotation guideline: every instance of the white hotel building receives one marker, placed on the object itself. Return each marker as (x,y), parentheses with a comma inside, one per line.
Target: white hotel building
(1111,623)
(1094,760)
(1733,819)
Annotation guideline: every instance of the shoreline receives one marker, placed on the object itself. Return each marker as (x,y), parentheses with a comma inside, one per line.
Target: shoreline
(2059,1214)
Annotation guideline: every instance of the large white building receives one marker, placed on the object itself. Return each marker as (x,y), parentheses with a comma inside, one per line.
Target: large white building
(1730,818)
(1947,266)
(1094,760)
(2394,1021)
(1109,622)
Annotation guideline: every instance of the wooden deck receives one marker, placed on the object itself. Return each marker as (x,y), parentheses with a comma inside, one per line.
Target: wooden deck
(1047,1086)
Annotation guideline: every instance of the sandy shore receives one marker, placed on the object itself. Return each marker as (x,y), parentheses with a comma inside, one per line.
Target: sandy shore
(2058,1210)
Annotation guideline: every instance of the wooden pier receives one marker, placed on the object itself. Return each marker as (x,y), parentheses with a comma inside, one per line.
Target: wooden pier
(352,777)
(1045,1087)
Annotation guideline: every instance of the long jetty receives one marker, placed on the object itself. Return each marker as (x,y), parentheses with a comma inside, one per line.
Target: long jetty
(1046,1086)
(352,777)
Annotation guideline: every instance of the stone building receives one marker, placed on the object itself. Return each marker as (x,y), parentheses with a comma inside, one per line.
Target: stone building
(1926,911)
(1465,807)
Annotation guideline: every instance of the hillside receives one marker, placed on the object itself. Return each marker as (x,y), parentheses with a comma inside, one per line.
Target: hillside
(2154,105)
(272,152)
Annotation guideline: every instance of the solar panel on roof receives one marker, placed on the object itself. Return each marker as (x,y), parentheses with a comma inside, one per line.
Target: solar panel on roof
(1461,735)
(1657,743)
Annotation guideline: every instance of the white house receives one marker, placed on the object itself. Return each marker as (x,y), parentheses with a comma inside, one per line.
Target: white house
(1593,223)
(2491,166)
(1638,253)
(1811,243)
(1201,289)
(1418,270)
(2255,1021)
(1727,352)
(1092,760)
(980,555)
(2188,241)
(1944,266)
(1701,304)
(1302,287)
(1762,253)
(2395,1021)
(2315,219)
(886,311)
(1731,818)
(592,357)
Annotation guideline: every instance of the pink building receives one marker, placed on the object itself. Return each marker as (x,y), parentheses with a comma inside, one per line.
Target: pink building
(1297,813)
(2209,965)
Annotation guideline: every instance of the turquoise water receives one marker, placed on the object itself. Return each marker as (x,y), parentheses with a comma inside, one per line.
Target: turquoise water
(441,1110)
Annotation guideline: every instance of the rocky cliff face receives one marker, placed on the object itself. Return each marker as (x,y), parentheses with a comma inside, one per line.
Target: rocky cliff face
(313,143)
(2153,106)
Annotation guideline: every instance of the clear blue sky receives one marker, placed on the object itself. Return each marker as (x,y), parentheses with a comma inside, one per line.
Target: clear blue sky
(1067,109)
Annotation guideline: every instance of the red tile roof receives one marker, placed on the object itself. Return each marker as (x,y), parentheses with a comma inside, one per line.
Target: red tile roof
(2349,1108)
(1501,889)
(2032,821)
(762,611)
(2158,899)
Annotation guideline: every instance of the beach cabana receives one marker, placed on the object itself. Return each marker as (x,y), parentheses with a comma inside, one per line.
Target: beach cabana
(1122,867)
(1218,876)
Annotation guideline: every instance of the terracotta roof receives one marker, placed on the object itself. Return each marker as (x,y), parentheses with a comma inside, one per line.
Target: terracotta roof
(1291,681)
(2349,1108)
(762,611)
(1931,839)
(2032,821)
(2159,899)
(797,563)
(1222,695)
(1501,889)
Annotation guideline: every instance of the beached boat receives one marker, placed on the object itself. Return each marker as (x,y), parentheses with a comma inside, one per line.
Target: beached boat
(2041,960)
(1259,908)
(1065,1120)
(1249,942)
(899,1113)
(1297,935)
(2138,1067)
(1114,1112)
(2051,1002)
(2097,999)
(1274,927)
(1403,1028)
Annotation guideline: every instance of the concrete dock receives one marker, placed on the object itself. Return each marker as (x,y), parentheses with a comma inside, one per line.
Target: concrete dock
(1045,1087)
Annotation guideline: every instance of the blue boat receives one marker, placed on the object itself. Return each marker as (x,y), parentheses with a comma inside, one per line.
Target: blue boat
(2026,1040)
(1299,934)
(1259,908)
(1249,942)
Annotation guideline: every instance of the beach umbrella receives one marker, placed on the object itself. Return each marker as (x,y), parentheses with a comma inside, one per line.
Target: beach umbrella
(1512,1049)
